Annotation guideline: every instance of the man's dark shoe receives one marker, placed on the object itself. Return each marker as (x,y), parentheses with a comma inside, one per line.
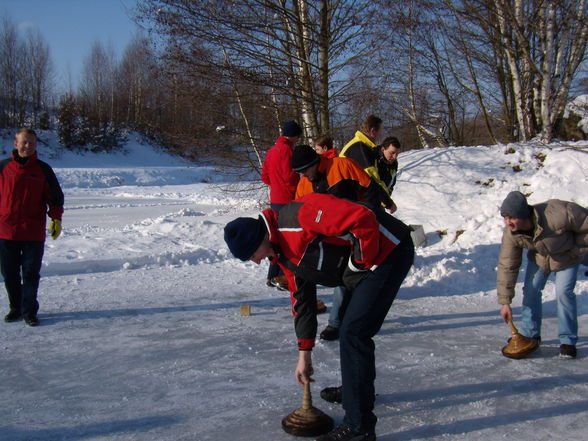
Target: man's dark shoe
(31,321)
(12,316)
(346,433)
(567,351)
(332,394)
(330,333)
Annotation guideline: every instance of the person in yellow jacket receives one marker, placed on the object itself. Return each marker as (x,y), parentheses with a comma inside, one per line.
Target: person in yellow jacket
(363,149)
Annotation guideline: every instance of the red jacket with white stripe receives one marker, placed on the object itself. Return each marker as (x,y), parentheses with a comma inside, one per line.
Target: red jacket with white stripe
(321,239)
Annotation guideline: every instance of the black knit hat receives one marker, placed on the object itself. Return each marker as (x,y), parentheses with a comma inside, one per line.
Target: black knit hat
(304,156)
(244,236)
(291,129)
(515,205)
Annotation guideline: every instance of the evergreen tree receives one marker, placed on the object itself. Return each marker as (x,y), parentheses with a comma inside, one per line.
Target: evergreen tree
(66,122)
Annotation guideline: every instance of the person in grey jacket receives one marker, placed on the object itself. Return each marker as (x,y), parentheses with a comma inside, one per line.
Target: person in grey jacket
(555,233)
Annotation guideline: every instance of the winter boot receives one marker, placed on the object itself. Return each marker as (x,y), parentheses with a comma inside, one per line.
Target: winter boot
(332,394)
(329,333)
(12,316)
(31,320)
(346,433)
(567,351)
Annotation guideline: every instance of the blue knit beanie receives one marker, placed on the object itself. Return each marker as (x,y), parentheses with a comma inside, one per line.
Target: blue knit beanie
(515,205)
(244,235)
(291,129)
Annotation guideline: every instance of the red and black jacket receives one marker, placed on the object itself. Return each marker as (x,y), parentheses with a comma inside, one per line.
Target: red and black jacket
(320,239)
(29,192)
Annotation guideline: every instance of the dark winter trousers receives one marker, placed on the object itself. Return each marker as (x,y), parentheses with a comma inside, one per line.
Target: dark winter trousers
(25,256)
(364,312)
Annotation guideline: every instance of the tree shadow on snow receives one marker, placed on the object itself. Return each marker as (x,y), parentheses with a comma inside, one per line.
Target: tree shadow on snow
(473,393)
(262,307)
(408,324)
(446,321)
(133,426)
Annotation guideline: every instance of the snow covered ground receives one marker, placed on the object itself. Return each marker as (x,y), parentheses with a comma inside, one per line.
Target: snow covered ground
(141,337)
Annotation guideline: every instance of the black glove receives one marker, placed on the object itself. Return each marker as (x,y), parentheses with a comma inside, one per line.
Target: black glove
(354,274)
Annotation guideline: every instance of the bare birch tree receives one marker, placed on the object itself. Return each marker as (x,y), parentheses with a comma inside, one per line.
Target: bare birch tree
(293,52)
(542,43)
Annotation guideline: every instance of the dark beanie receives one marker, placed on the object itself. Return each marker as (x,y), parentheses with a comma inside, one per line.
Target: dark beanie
(515,206)
(304,156)
(291,129)
(244,235)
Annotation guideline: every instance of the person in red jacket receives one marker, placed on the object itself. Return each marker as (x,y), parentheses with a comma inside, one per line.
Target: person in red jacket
(29,191)
(324,147)
(321,239)
(277,173)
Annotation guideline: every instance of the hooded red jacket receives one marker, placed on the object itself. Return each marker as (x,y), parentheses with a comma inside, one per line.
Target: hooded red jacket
(28,193)
(277,172)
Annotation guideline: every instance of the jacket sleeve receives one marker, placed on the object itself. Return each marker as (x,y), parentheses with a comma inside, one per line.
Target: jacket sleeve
(303,298)
(304,309)
(578,220)
(509,264)
(265,177)
(53,193)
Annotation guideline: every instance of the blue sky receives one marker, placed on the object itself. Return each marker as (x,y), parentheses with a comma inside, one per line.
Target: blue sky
(70,27)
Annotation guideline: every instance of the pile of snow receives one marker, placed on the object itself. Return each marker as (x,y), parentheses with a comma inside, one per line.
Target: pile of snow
(579,106)
(141,336)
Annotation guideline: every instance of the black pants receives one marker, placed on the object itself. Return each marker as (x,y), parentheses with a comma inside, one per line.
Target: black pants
(364,313)
(20,263)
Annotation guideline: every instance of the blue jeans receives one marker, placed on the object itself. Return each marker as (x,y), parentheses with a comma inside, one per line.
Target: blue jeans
(16,258)
(364,311)
(338,294)
(567,314)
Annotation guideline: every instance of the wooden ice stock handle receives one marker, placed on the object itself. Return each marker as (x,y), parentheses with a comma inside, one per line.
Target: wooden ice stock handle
(513,328)
(306,397)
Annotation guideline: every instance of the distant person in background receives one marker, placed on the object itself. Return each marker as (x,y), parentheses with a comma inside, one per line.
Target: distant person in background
(388,161)
(556,236)
(29,192)
(277,173)
(363,149)
(324,147)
